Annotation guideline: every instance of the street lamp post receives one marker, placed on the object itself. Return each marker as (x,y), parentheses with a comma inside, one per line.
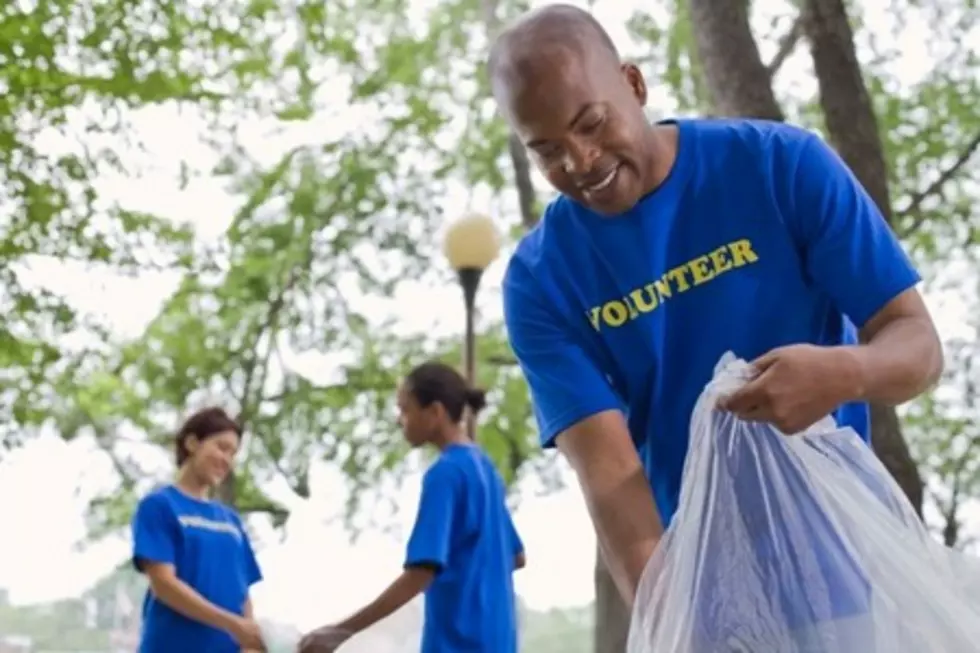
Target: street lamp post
(471,244)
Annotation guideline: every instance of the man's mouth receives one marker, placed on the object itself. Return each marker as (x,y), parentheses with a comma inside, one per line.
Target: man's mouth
(602,183)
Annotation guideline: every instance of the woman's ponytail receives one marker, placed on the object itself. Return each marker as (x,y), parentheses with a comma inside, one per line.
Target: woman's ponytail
(476,399)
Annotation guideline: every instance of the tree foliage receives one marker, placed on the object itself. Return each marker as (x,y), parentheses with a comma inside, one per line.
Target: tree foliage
(350,211)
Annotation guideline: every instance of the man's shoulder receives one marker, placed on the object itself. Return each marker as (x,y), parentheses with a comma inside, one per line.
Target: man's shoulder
(557,230)
(742,150)
(749,136)
(762,134)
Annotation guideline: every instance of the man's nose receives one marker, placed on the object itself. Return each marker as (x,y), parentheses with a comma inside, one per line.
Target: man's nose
(580,158)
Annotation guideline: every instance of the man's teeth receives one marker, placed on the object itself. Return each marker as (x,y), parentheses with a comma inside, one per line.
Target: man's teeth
(605,181)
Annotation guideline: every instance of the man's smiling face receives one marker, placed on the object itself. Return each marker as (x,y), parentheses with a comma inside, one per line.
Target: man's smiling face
(579,111)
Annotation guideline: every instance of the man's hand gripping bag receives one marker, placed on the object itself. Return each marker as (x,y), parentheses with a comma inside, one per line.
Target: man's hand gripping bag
(797,544)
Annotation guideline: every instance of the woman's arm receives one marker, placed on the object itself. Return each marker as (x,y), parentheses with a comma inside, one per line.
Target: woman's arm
(154,553)
(248,610)
(181,597)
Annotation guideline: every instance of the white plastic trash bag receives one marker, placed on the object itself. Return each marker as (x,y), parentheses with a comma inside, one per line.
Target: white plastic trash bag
(800,544)
(279,638)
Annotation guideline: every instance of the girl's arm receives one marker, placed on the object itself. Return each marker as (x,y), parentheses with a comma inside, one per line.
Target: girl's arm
(428,553)
(406,587)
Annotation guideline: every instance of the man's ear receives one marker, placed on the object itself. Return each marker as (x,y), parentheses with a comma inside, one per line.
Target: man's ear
(191,443)
(637,84)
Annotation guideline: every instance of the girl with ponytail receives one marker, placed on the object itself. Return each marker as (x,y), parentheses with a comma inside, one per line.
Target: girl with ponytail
(464,547)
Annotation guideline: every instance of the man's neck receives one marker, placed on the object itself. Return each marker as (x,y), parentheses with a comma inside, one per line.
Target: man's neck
(664,140)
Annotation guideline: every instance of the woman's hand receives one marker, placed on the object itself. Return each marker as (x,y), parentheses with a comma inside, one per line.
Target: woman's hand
(248,635)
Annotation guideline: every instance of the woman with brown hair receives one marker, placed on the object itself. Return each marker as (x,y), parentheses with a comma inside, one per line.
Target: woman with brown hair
(195,551)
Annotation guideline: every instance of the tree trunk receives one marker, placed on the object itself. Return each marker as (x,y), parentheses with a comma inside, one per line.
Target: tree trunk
(520,162)
(737,80)
(612,618)
(852,128)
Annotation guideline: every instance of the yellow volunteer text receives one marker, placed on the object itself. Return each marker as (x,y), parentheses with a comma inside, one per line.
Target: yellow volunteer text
(693,273)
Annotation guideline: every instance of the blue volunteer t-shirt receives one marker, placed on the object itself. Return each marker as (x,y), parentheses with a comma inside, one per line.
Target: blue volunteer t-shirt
(760,237)
(206,543)
(464,531)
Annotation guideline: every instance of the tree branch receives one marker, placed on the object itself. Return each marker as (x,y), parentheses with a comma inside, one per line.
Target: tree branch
(787,44)
(526,197)
(253,372)
(852,125)
(914,207)
(265,507)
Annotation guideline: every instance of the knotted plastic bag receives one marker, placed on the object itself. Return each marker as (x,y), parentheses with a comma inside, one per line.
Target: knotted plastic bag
(797,544)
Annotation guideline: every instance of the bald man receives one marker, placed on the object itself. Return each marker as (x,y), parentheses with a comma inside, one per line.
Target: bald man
(670,244)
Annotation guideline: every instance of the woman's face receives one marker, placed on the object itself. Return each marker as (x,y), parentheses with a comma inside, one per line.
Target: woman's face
(416,422)
(213,457)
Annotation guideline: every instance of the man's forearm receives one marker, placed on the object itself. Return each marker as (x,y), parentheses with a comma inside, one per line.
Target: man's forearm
(628,529)
(899,362)
(617,493)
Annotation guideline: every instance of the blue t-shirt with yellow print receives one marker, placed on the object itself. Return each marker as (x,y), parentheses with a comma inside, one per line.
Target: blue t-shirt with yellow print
(759,237)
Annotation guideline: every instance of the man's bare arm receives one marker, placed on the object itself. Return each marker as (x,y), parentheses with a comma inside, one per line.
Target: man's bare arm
(903,356)
(617,494)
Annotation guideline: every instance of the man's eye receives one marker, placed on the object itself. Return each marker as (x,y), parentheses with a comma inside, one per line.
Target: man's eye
(592,125)
(548,153)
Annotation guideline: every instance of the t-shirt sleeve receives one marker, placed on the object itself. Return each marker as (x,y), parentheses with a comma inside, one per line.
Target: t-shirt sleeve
(567,386)
(154,532)
(253,573)
(431,538)
(849,251)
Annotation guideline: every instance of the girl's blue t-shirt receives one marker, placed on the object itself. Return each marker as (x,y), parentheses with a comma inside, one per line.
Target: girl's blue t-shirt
(465,533)
(207,544)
